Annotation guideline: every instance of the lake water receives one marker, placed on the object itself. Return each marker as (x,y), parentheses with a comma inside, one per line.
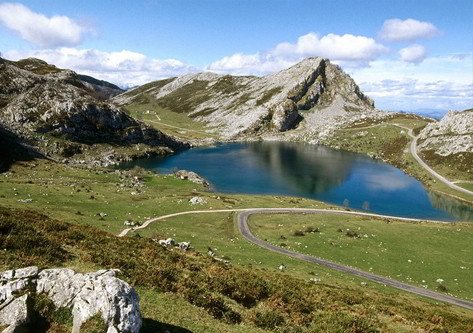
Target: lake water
(311,171)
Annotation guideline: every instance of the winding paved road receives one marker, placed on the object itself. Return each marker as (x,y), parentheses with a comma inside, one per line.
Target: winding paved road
(242,219)
(245,231)
(413,150)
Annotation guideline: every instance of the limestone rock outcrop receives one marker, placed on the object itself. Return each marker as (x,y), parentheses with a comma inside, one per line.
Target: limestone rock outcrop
(85,294)
(191,176)
(241,107)
(61,112)
(453,134)
(285,116)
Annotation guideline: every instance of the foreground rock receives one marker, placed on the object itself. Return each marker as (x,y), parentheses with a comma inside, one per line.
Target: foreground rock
(85,294)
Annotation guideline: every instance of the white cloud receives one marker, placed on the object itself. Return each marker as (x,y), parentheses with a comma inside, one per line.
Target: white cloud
(432,69)
(413,53)
(407,30)
(337,47)
(437,82)
(386,182)
(347,50)
(125,68)
(39,29)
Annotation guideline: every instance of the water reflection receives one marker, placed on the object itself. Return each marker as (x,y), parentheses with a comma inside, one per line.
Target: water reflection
(346,179)
(386,182)
(461,210)
(306,168)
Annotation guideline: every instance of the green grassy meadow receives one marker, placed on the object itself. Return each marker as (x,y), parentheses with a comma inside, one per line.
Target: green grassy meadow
(415,253)
(61,227)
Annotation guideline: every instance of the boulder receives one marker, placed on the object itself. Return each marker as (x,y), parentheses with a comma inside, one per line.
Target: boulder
(166,242)
(191,176)
(15,312)
(197,201)
(184,246)
(86,294)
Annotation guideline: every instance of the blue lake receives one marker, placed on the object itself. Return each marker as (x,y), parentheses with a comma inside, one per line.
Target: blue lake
(316,172)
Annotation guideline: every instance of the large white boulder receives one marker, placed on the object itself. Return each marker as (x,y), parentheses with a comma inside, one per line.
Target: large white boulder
(86,294)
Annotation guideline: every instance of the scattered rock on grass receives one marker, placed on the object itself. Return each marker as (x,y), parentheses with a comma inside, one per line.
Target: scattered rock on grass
(191,176)
(197,201)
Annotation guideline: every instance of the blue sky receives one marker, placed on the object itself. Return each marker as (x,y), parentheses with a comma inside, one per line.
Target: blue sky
(404,54)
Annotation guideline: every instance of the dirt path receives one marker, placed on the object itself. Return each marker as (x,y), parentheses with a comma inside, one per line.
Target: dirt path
(294,210)
(180,128)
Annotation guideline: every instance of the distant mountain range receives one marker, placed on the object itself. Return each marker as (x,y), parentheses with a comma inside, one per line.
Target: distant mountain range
(62,114)
(431,113)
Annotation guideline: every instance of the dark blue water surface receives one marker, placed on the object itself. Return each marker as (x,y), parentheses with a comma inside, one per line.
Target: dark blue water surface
(317,172)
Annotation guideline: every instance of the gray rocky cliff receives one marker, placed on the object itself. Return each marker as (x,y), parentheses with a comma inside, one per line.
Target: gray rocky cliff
(453,134)
(298,103)
(37,99)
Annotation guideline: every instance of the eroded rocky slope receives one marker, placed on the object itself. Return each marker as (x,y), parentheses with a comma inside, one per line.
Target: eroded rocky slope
(64,115)
(447,145)
(302,103)
(451,135)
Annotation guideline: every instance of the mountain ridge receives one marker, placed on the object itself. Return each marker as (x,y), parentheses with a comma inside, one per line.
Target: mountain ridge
(62,117)
(240,107)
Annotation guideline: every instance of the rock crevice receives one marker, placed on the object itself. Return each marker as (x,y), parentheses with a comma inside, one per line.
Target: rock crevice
(85,294)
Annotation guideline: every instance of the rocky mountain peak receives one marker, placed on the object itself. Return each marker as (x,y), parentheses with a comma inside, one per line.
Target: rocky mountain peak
(238,106)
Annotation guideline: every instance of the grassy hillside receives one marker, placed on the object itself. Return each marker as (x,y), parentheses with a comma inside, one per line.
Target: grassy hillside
(415,253)
(234,298)
(185,292)
(389,142)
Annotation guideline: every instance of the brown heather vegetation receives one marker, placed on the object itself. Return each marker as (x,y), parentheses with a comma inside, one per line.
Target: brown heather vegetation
(274,302)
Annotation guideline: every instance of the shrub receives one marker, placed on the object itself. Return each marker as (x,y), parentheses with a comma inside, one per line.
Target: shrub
(45,314)
(311,229)
(268,319)
(442,288)
(298,233)
(352,233)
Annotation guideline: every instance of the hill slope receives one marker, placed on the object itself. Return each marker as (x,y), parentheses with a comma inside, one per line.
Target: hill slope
(313,96)
(449,142)
(62,116)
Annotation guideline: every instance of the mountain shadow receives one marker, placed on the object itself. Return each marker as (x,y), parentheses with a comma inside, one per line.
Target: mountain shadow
(14,149)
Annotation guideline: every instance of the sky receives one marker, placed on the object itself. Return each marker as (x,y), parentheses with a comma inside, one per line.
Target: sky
(405,54)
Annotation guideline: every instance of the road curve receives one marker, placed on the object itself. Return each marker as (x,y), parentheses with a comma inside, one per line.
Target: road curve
(242,219)
(148,222)
(245,231)
(291,210)
(413,150)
